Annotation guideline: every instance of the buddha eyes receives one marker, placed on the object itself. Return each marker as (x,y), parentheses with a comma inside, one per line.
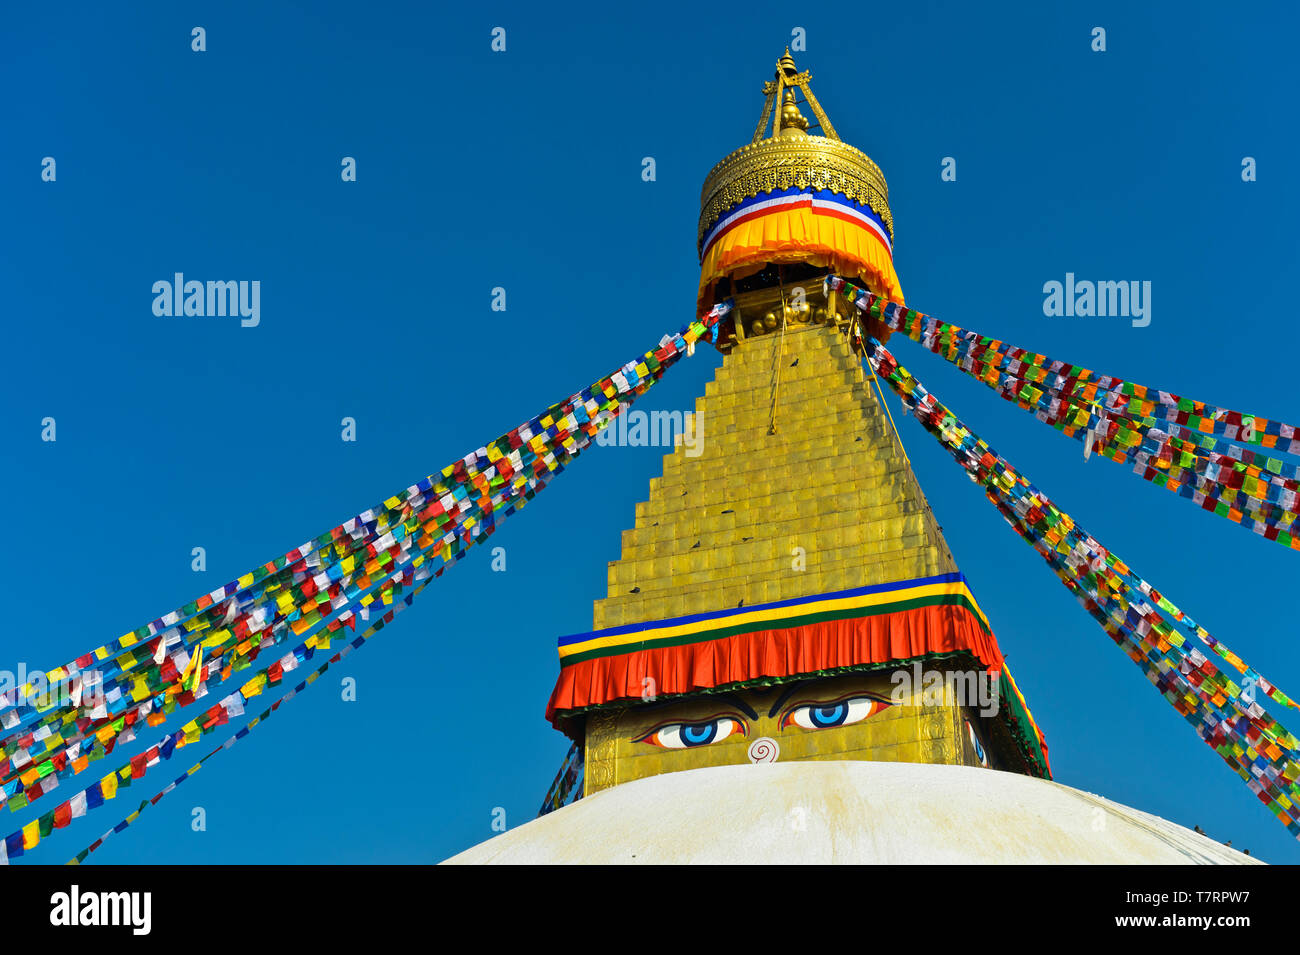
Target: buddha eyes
(809,716)
(820,716)
(687,735)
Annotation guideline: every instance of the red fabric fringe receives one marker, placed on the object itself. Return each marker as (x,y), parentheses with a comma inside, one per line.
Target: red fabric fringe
(902,635)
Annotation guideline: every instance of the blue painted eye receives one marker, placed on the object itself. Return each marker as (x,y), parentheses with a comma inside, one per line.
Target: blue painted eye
(979,748)
(820,716)
(823,716)
(699,734)
(686,735)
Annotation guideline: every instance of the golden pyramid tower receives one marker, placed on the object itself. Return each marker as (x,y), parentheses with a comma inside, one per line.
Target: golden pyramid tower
(785,592)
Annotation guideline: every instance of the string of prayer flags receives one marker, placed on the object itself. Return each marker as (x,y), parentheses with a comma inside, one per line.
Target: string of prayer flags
(977,353)
(952,341)
(217,715)
(242,604)
(310,593)
(194,677)
(416,570)
(567,785)
(997,372)
(156,689)
(1121,420)
(1149,628)
(1266,504)
(252,724)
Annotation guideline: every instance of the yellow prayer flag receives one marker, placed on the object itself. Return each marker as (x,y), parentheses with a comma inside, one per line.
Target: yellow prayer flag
(216,639)
(194,670)
(254,686)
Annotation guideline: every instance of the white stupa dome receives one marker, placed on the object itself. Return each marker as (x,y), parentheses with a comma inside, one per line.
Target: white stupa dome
(846,811)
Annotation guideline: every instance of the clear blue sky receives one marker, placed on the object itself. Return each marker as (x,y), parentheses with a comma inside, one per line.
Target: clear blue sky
(522,170)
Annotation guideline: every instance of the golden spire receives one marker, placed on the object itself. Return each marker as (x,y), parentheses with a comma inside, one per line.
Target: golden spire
(785,155)
(780,91)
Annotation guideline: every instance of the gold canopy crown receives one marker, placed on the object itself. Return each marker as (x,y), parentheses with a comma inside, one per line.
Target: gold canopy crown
(792,158)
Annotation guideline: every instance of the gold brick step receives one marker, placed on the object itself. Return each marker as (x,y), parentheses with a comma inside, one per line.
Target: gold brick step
(722,527)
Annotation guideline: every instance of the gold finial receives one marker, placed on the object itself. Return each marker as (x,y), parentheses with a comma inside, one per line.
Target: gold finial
(793,124)
(786,64)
